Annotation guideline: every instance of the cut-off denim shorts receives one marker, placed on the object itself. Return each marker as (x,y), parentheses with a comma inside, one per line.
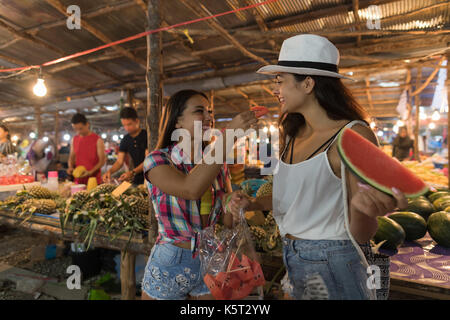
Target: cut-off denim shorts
(172,274)
(325,270)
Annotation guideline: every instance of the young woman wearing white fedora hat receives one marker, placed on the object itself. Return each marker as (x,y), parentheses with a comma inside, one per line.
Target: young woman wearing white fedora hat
(325,215)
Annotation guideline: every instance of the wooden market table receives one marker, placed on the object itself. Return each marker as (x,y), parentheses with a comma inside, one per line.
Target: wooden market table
(50,226)
(421,268)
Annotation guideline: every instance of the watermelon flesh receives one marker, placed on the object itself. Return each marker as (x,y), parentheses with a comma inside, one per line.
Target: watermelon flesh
(235,284)
(259,111)
(375,167)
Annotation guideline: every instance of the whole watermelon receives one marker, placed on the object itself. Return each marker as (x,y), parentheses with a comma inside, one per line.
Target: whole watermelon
(439,228)
(441,203)
(390,231)
(422,207)
(414,225)
(436,195)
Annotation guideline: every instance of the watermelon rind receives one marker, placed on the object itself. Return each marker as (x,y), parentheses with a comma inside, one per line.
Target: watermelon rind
(361,175)
(390,231)
(413,224)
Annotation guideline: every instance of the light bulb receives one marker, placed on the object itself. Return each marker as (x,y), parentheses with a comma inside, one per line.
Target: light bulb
(265,129)
(67,137)
(395,129)
(15,138)
(32,135)
(115,137)
(423,116)
(436,116)
(45,139)
(380,133)
(40,89)
(400,123)
(432,125)
(104,135)
(121,136)
(272,128)
(372,125)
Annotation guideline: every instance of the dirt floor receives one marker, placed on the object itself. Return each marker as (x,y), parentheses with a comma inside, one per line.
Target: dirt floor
(19,249)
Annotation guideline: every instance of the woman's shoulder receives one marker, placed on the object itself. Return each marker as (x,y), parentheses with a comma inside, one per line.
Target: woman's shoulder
(365,131)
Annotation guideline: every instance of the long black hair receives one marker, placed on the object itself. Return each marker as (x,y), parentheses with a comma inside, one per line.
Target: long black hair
(170,114)
(333,96)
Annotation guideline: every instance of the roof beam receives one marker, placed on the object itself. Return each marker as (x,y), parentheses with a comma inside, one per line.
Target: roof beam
(224,33)
(97,33)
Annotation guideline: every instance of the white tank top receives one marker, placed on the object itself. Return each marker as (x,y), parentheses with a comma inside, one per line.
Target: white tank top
(308,200)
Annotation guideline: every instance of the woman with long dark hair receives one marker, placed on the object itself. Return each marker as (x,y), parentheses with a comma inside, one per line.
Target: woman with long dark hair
(324,213)
(176,184)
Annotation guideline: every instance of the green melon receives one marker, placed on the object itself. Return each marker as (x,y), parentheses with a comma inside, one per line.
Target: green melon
(376,168)
(442,203)
(436,195)
(413,224)
(439,228)
(390,231)
(421,207)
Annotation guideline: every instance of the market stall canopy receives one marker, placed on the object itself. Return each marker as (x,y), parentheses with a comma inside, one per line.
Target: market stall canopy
(379,42)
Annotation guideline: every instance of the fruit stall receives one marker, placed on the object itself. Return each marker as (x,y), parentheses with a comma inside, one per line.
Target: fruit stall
(97,218)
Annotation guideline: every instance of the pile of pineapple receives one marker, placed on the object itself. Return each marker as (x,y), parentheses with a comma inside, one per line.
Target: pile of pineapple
(37,199)
(99,209)
(264,229)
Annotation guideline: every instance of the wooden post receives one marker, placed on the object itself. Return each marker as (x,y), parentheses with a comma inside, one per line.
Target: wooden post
(416,129)
(57,134)
(130,98)
(39,122)
(154,90)
(127,275)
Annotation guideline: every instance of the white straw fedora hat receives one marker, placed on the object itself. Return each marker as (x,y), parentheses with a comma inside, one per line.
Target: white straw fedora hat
(307,54)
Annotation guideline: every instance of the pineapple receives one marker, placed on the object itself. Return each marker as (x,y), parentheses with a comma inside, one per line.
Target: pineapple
(90,205)
(44,206)
(38,192)
(138,206)
(264,190)
(258,234)
(247,189)
(270,221)
(81,196)
(103,189)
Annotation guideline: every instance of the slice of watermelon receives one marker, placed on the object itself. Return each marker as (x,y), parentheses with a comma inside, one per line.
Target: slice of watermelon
(375,167)
(246,274)
(259,111)
(258,275)
(230,280)
(243,291)
(216,289)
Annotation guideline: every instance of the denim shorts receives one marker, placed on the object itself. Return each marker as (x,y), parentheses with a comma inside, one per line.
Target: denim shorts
(172,274)
(325,269)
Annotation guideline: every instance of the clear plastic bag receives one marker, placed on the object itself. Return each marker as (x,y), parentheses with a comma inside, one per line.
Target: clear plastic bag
(230,265)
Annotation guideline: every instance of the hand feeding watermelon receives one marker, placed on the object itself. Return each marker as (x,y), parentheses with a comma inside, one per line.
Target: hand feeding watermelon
(375,167)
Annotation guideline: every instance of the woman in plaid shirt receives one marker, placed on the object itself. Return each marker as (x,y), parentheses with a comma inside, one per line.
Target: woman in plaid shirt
(176,186)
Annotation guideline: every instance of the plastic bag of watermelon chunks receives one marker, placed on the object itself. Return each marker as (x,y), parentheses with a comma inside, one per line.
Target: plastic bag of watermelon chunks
(230,266)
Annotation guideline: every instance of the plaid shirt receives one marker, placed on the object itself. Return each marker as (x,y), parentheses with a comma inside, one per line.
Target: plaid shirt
(178,218)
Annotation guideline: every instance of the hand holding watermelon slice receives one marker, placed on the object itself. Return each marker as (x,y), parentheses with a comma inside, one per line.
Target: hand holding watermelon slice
(377,169)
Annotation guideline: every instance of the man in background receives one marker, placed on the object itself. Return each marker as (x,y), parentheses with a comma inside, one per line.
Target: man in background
(133,144)
(87,149)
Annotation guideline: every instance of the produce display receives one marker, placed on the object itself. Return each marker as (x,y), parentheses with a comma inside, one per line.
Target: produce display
(15,171)
(87,210)
(431,213)
(427,172)
(376,168)
(114,215)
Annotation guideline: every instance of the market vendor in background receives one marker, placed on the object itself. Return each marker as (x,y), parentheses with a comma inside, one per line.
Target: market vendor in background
(134,144)
(87,149)
(402,145)
(6,146)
